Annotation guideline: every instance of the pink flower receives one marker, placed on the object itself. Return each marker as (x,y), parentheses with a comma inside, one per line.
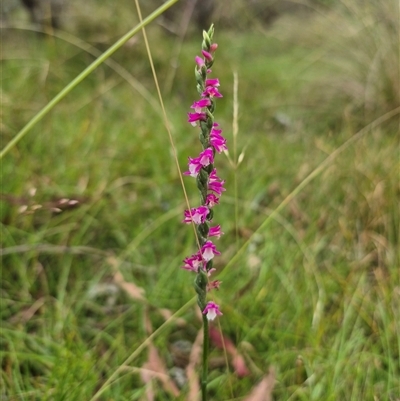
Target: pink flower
(215,231)
(212,310)
(212,200)
(215,184)
(212,82)
(215,130)
(194,117)
(199,105)
(211,91)
(194,167)
(197,215)
(207,55)
(216,139)
(217,187)
(209,250)
(193,263)
(199,61)
(213,47)
(211,285)
(205,158)
(218,142)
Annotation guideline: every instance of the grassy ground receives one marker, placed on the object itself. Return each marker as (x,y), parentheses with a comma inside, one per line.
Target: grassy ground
(310,287)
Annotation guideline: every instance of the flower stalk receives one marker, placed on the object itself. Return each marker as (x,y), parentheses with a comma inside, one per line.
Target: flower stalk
(210,187)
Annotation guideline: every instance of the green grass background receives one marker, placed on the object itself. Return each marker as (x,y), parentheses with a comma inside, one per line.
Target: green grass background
(314,293)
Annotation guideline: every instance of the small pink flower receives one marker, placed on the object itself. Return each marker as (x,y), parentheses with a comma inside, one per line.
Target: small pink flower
(211,91)
(207,55)
(213,47)
(194,167)
(212,200)
(193,263)
(198,215)
(215,184)
(215,130)
(215,231)
(205,158)
(212,82)
(194,117)
(199,61)
(209,250)
(200,104)
(212,310)
(213,285)
(218,142)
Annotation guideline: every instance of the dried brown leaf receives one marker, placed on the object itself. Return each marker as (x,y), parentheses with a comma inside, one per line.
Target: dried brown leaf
(167,314)
(156,369)
(222,341)
(131,289)
(263,390)
(26,314)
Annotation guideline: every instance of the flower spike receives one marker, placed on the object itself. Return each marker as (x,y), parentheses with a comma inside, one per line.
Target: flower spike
(210,187)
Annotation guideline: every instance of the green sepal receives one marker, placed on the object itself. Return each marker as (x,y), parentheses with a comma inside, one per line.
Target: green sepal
(205,132)
(203,140)
(210,167)
(200,89)
(203,229)
(211,108)
(209,64)
(202,178)
(199,77)
(200,285)
(202,181)
(210,32)
(206,41)
(204,71)
(210,119)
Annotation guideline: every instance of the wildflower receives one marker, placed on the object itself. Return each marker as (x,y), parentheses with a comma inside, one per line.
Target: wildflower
(205,158)
(200,104)
(218,142)
(209,185)
(213,47)
(212,200)
(199,61)
(194,117)
(211,91)
(197,214)
(193,262)
(213,285)
(215,183)
(209,250)
(212,310)
(215,130)
(194,167)
(212,82)
(215,231)
(207,55)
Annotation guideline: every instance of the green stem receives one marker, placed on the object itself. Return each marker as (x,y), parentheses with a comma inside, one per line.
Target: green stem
(37,117)
(206,342)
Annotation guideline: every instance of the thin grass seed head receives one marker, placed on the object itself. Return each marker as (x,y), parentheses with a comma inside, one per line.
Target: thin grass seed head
(202,169)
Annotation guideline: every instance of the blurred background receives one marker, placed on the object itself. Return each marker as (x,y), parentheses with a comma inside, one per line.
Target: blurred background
(91,200)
